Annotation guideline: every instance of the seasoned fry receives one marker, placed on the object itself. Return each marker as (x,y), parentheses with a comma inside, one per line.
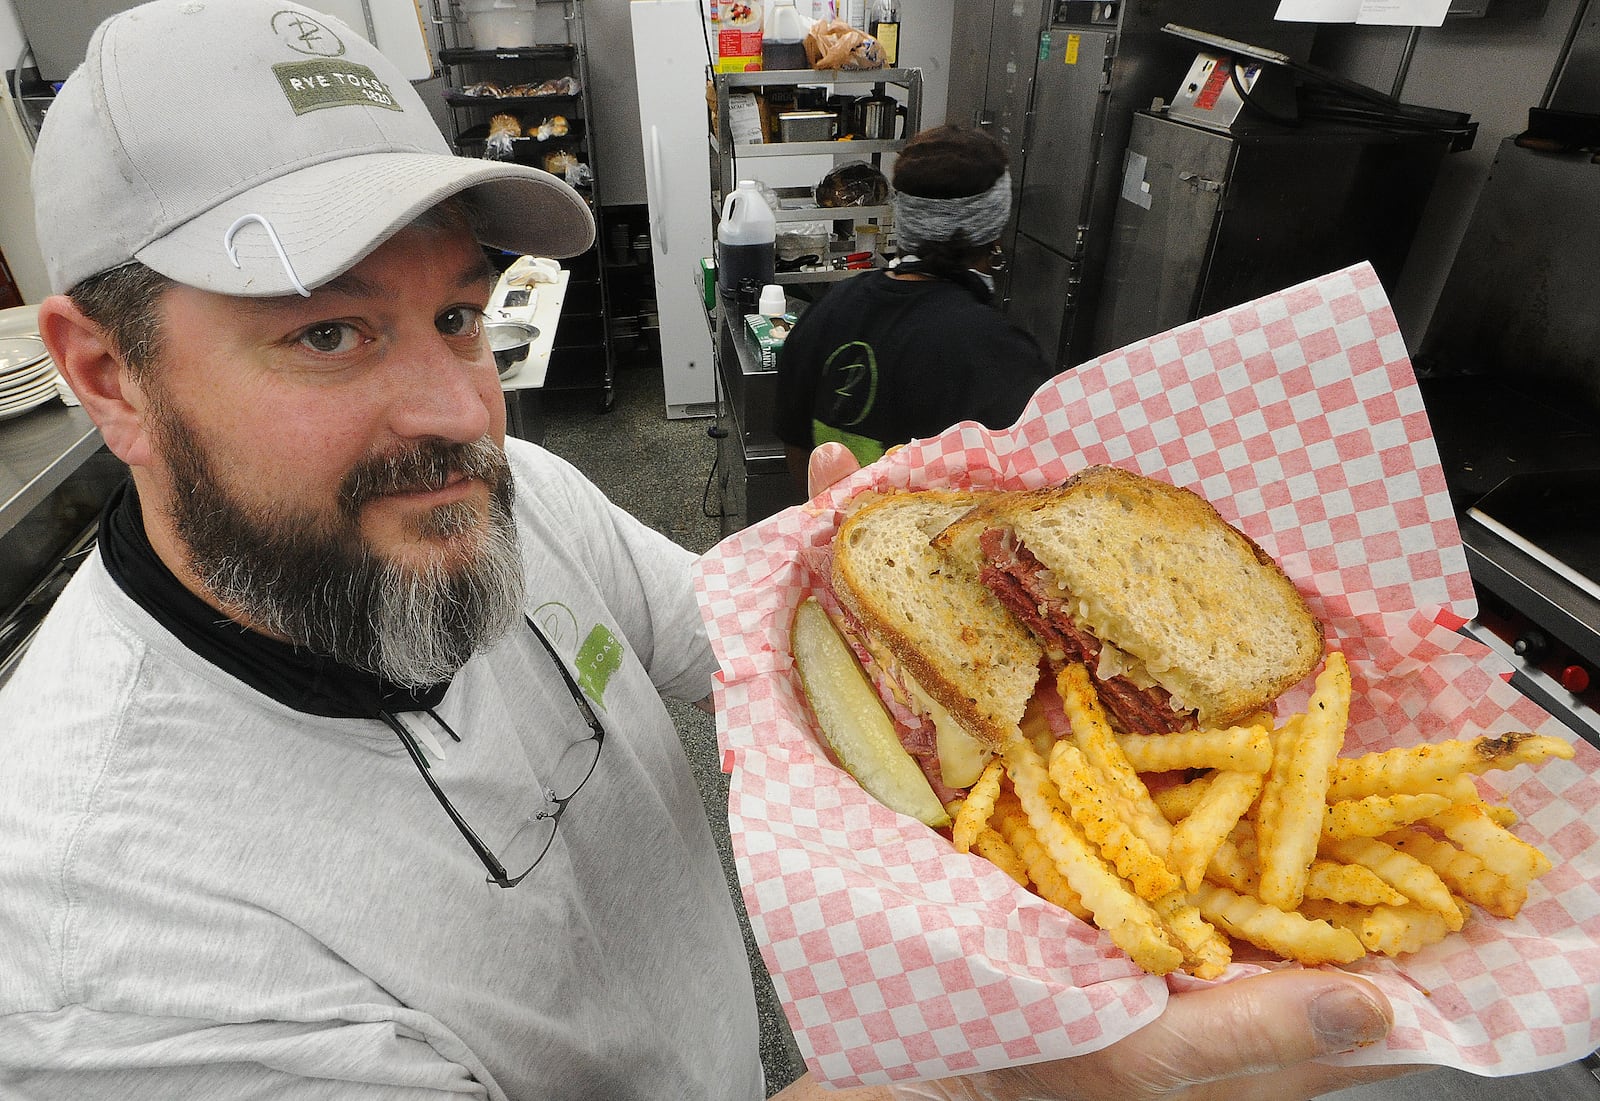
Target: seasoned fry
(1464,873)
(1240,748)
(1298,786)
(1285,932)
(1091,733)
(1468,826)
(1378,814)
(1128,919)
(1501,815)
(994,848)
(1388,930)
(973,816)
(1178,801)
(1420,769)
(1012,823)
(1198,836)
(1206,952)
(1094,809)
(1335,882)
(1406,874)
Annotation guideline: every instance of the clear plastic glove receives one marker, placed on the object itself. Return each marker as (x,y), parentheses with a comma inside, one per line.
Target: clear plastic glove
(1249,1040)
(829,463)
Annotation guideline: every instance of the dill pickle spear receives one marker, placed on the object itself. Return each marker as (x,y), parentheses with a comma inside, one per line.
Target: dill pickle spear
(854,720)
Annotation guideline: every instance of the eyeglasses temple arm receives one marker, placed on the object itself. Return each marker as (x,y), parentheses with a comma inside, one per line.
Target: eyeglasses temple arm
(493,865)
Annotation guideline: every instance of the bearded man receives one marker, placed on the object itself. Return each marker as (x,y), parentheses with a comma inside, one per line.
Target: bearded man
(340,769)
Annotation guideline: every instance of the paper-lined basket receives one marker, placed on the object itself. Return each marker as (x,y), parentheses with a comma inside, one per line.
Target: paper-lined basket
(1299,418)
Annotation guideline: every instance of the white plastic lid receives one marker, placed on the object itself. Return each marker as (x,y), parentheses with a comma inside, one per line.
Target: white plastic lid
(772,303)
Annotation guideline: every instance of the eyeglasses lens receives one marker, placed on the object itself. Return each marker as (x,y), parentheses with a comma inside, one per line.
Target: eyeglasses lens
(533,837)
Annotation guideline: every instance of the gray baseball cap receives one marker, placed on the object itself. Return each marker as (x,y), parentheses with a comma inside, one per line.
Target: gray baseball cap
(256,147)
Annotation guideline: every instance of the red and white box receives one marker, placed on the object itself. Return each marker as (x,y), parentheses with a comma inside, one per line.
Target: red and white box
(1299,418)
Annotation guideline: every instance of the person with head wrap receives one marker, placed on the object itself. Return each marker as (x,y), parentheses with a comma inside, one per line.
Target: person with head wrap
(901,354)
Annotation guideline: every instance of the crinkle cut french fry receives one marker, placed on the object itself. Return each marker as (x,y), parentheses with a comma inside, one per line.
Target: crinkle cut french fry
(1206,952)
(1232,868)
(1419,769)
(1094,808)
(1468,826)
(1126,918)
(1378,814)
(1406,874)
(1298,783)
(1332,881)
(978,805)
(1498,813)
(1012,822)
(1464,873)
(1092,734)
(1178,801)
(1387,930)
(994,848)
(1287,933)
(1197,837)
(1240,748)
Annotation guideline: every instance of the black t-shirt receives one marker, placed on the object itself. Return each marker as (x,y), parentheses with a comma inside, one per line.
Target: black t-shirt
(880,361)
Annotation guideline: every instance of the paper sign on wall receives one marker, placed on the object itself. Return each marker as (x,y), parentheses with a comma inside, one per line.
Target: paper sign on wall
(1385,13)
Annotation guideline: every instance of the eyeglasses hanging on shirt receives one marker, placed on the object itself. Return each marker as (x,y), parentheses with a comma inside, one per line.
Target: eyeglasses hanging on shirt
(533,837)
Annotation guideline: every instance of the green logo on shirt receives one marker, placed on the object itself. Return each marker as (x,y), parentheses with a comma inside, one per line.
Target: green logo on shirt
(598,659)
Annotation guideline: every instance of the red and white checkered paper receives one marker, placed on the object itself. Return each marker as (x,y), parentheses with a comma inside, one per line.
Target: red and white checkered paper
(1299,418)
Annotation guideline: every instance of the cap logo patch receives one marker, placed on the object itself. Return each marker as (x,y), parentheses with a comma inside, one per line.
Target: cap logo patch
(305,35)
(313,85)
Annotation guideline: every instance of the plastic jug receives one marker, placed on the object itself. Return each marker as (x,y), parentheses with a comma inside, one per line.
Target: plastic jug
(746,246)
(783,37)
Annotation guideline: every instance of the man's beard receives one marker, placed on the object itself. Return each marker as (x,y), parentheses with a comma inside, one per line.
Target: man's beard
(315,581)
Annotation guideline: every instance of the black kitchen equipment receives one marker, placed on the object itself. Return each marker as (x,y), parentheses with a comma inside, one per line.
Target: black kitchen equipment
(842,108)
(876,117)
(1510,370)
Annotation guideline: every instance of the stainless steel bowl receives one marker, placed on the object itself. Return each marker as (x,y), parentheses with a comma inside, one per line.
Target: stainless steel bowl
(510,341)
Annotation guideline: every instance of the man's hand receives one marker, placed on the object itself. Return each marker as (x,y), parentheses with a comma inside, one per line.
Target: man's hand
(1248,1040)
(829,463)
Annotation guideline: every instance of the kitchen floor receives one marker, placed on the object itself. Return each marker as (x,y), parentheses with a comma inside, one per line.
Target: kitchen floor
(659,470)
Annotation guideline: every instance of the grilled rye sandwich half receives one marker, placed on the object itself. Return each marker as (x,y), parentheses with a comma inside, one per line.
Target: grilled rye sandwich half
(1182,619)
(954,667)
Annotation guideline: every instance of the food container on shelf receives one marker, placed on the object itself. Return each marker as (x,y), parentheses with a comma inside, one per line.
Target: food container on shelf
(807,125)
(501,24)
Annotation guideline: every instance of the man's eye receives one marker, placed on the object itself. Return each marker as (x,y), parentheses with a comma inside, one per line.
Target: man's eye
(329,337)
(460,321)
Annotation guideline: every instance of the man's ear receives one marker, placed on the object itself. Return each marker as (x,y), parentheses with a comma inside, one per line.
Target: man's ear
(97,375)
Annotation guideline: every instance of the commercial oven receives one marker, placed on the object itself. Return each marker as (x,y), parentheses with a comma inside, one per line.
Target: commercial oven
(1057,82)
(1207,218)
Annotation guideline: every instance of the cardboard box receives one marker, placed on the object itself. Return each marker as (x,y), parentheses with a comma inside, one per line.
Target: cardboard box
(706,276)
(768,335)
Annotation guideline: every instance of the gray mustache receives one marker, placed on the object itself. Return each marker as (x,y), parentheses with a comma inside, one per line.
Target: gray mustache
(428,466)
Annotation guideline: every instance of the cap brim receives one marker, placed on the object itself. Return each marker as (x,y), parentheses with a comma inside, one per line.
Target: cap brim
(330,216)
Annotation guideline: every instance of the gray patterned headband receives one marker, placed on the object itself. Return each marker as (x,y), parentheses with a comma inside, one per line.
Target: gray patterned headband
(972,219)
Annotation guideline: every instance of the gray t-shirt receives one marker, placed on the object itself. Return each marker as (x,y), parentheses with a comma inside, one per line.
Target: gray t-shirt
(204,893)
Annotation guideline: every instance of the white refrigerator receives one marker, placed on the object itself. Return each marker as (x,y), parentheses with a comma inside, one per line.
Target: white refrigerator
(671,58)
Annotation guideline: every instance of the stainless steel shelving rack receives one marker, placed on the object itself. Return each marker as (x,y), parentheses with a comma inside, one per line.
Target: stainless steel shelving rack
(584,356)
(753,477)
(796,204)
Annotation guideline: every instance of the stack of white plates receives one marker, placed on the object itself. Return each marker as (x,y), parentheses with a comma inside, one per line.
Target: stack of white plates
(27,374)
